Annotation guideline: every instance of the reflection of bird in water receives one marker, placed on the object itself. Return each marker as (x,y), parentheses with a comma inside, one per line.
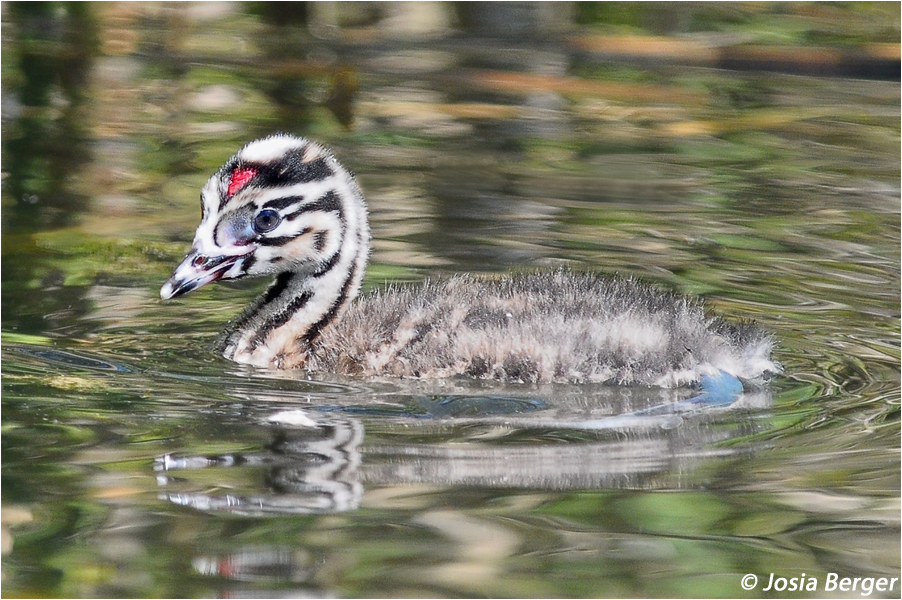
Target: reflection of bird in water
(284,206)
(309,469)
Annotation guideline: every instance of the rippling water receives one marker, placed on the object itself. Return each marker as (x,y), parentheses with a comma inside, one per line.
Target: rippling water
(138,463)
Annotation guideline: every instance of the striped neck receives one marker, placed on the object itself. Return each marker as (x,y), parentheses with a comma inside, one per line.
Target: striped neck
(283,324)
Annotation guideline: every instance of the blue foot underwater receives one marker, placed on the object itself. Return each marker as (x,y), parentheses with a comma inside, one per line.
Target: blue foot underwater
(719,390)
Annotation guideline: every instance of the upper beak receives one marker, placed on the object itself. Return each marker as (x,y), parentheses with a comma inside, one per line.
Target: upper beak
(197,270)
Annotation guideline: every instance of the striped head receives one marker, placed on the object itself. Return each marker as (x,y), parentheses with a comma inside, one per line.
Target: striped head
(282,204)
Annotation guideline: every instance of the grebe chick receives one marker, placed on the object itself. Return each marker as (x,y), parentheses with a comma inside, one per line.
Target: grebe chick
(284,206)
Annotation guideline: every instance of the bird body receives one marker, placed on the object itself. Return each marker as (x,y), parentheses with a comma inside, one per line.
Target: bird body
(285,206)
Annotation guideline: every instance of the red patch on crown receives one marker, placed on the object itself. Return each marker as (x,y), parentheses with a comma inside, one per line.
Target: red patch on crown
(239,178)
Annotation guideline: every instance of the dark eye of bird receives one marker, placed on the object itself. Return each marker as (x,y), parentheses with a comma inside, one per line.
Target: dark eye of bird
(266,220)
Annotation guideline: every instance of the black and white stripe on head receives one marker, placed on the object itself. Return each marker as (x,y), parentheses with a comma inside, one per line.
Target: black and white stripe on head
(303,165)
(274,162)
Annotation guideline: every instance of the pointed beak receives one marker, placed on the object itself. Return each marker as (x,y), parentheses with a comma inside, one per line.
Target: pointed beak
(197,270)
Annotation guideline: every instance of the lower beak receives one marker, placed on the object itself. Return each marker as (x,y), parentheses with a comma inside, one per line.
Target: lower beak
(197,270)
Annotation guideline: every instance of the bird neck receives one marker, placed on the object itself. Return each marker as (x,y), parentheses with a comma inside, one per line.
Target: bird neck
(284,322)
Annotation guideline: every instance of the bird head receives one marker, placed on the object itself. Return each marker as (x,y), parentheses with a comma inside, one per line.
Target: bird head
(280,204)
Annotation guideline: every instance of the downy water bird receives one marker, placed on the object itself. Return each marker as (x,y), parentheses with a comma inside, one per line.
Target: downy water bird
(284,206)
